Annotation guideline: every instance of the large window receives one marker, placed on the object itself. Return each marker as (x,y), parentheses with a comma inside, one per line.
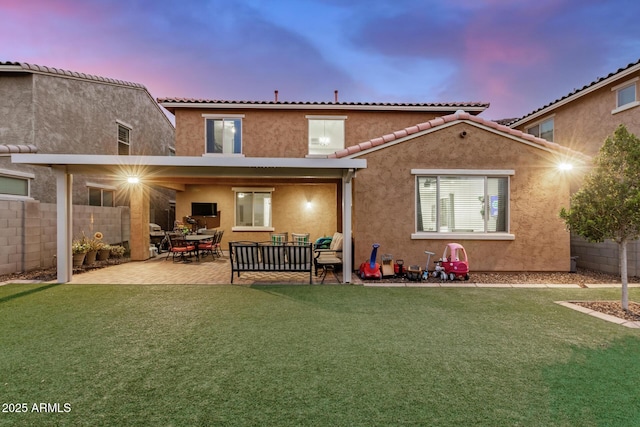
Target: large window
(326,134)
(462,204)
(253,208)
(101,196)
(223,134)
(124,139)
(543,130)
(15,184)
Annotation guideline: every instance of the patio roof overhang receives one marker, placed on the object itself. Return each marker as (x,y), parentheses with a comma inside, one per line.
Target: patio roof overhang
(175,171)
(162,167)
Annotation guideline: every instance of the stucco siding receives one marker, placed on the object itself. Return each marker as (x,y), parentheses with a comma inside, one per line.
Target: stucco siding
(586,122)
(278,133)
(385,201)
(296,207)
(16,126)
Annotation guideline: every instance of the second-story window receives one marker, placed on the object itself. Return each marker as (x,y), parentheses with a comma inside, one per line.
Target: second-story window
(223,134)
(124,140)
(626,95)
(326,134)
(543,130)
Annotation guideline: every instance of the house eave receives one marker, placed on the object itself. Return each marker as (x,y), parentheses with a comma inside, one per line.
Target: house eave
(158,167)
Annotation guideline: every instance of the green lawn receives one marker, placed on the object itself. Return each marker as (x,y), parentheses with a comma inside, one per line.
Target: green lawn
(322,355)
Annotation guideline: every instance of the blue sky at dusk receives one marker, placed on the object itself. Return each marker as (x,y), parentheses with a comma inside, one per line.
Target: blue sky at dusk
(516,55)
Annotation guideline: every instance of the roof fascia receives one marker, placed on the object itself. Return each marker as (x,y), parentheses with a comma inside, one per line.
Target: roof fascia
(167,166)
(284,106)
(579,94)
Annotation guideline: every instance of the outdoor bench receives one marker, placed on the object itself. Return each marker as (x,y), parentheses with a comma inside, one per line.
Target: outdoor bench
(265,256)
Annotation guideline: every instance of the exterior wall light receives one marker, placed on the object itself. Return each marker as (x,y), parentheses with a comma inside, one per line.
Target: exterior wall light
(133,180)
(565,166)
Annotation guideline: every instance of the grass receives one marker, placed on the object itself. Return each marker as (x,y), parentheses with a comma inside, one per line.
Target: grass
(313,356)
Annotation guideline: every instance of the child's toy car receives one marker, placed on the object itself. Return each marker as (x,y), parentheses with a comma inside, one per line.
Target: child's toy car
(455,262)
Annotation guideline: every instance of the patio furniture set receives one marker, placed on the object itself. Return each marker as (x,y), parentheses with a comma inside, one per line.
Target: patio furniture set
(184,247)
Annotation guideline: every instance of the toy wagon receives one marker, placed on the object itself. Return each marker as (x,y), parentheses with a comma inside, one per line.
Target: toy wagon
(455,262)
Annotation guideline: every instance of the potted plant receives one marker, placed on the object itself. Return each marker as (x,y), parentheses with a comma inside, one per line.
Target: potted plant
(79,251)
(93,245)
(117,251)
(104,252)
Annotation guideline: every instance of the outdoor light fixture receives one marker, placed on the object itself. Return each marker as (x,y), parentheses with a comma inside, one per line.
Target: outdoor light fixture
(133,179)
(565,166)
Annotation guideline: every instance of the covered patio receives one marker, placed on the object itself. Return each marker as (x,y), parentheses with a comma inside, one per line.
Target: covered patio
(209,271)
(176,173)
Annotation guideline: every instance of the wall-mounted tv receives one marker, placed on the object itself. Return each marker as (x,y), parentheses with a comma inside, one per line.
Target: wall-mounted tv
(204,209)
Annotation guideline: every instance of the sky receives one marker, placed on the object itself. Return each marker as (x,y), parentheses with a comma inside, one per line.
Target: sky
(517,55)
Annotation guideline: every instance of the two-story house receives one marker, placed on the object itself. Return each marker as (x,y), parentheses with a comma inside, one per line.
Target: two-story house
(582,120)
(411,177)
(433,174)
(48,110)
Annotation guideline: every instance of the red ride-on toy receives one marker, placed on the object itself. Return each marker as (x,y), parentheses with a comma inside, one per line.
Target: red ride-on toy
(455,262)
(371,269)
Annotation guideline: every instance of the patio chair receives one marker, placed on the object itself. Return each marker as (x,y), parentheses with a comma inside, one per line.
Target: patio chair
(206,247)
(329,259)
(180,248)
(279,238)
(300,238)
(217,243)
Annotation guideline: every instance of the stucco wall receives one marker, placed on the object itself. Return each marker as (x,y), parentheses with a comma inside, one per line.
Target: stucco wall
(268,133)
(28,231)
(75,116)
(585,123)
(16,126)
(384,201)
(289,208)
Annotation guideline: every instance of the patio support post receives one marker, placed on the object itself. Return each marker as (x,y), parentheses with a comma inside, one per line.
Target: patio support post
(347,198)
(139,237)
(64,223)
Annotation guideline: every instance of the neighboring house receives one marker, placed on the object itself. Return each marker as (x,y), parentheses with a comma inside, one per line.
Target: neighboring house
(433,175)
(48,110)
(582,120)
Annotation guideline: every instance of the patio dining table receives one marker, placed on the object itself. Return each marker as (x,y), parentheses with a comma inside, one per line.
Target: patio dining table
(197,238)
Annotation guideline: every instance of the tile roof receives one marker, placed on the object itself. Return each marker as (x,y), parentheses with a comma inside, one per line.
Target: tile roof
(458,116)
(39,69)
(18,148)
(473,107)
(582,91)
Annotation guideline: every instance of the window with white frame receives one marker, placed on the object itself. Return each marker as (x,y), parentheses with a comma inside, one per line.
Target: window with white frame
(326,134)
(15,184)
(124,139)
(543,130)
(223,134)
(252,208)
(626,95)
(101,195)
(462,204)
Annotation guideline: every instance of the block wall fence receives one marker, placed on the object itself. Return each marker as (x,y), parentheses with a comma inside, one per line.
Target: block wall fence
(604,256)
(28,231)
